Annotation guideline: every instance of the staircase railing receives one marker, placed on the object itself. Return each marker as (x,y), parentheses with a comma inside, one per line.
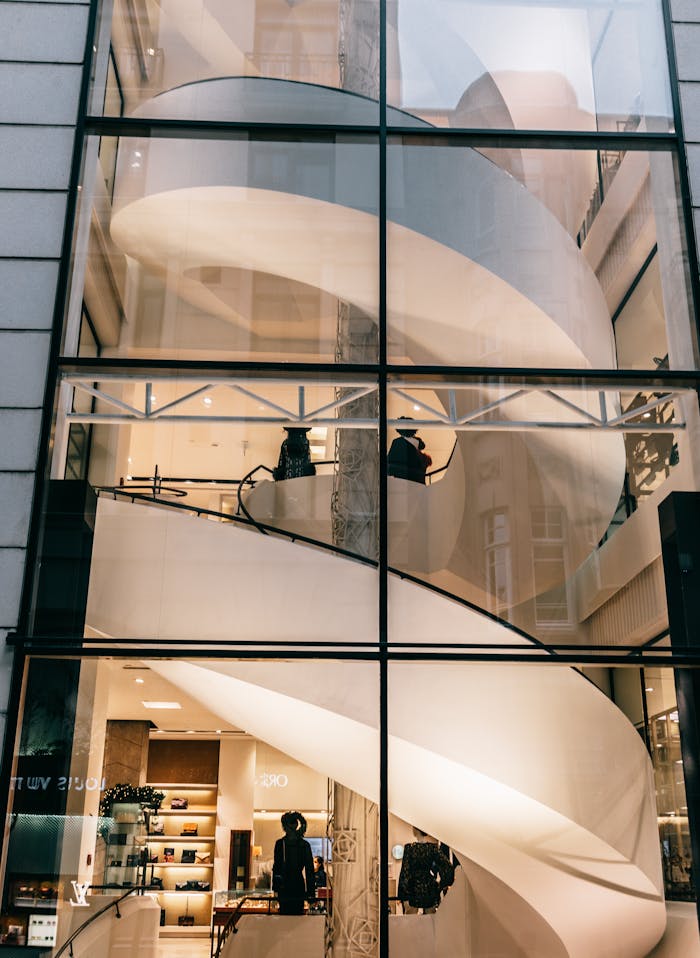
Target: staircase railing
(249,521)
(68,943)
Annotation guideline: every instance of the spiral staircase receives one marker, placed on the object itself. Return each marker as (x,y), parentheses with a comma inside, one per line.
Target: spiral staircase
(551,805)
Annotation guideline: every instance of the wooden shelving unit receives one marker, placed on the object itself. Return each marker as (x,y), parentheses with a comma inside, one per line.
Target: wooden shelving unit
(202,811)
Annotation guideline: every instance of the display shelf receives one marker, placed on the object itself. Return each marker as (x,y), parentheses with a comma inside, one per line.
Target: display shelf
(208,812)
(203,811)
(174,891)
(167,839)
(184,786)
(179,865)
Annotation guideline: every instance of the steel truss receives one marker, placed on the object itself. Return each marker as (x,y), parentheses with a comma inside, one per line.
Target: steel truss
(649,410)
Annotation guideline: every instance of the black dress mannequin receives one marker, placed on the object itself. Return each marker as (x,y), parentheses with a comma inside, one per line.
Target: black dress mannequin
(293,863)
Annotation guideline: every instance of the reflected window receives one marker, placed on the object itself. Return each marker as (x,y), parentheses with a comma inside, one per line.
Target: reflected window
(498,570)
(549,565)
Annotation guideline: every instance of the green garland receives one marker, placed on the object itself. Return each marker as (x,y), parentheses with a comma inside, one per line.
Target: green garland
(130,795)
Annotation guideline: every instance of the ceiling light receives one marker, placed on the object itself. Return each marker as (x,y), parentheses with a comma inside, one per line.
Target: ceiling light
(218,731)
(161,705)
(139,681)
(207,400)
(679,761)
(649,688)
(190,731)
(646,415)
(416,408)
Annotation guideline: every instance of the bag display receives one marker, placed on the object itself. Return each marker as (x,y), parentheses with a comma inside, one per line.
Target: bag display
(189,828)
(156,826)
(179,803)
(168,854)
(192,886)
(185,920)
(188,856)
(202,858)
(116,838)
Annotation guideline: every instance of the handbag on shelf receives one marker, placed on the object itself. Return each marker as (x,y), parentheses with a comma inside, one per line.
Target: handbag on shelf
(185,920)
(202,858)
(189,828)
(156,826)
(188,856)
(179,803)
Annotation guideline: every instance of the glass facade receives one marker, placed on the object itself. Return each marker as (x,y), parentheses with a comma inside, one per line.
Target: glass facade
(379,354)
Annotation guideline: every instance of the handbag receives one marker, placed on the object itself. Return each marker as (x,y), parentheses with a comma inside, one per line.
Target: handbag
(179,803)
(189,828)
(202,858)
(185,920)
(156,826)
(188,856)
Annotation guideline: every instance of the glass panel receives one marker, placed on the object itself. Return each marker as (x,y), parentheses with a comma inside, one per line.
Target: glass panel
(529,65)
(544,258)
(298,456)
(507,497)
(253,60)
(230,249)
(506,781)
(166,781)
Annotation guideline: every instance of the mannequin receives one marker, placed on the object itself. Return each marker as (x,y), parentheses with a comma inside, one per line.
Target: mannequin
(426,874)
(293,863)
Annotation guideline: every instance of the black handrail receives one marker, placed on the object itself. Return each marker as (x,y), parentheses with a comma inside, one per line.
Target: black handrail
(68,943)
(248,478)
(337,550)
(241,505)
(230,927)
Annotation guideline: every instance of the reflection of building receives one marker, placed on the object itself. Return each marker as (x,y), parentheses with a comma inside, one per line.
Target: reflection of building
(256,229)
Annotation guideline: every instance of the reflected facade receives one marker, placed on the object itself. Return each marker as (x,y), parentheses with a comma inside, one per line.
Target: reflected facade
(378,357)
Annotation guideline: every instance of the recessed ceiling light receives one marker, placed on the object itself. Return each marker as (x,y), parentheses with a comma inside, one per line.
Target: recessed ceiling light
(139,681)
(161,705)
(416,408)
(218,731)
(207,400)
(649,688)
(190,731)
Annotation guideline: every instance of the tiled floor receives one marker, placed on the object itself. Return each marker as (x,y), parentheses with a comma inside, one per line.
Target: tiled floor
(184,948)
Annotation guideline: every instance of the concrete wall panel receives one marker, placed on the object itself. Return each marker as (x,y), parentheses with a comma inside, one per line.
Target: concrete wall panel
(39,93)
(16,490)
(42,33)
(27,293)
(23,358)
(32,223)
(11,573)
(36,157)
(20,439)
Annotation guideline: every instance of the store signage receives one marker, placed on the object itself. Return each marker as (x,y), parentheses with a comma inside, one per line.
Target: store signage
(272,780)
(80,889)
(63,783)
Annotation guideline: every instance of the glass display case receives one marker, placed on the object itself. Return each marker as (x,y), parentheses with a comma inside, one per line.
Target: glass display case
(126,854)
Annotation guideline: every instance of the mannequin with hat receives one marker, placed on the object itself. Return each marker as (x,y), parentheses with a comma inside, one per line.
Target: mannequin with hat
(406,459)
(295,455)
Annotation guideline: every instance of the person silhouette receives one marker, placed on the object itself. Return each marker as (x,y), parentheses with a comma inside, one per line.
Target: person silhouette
(406,459)
(293,867)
